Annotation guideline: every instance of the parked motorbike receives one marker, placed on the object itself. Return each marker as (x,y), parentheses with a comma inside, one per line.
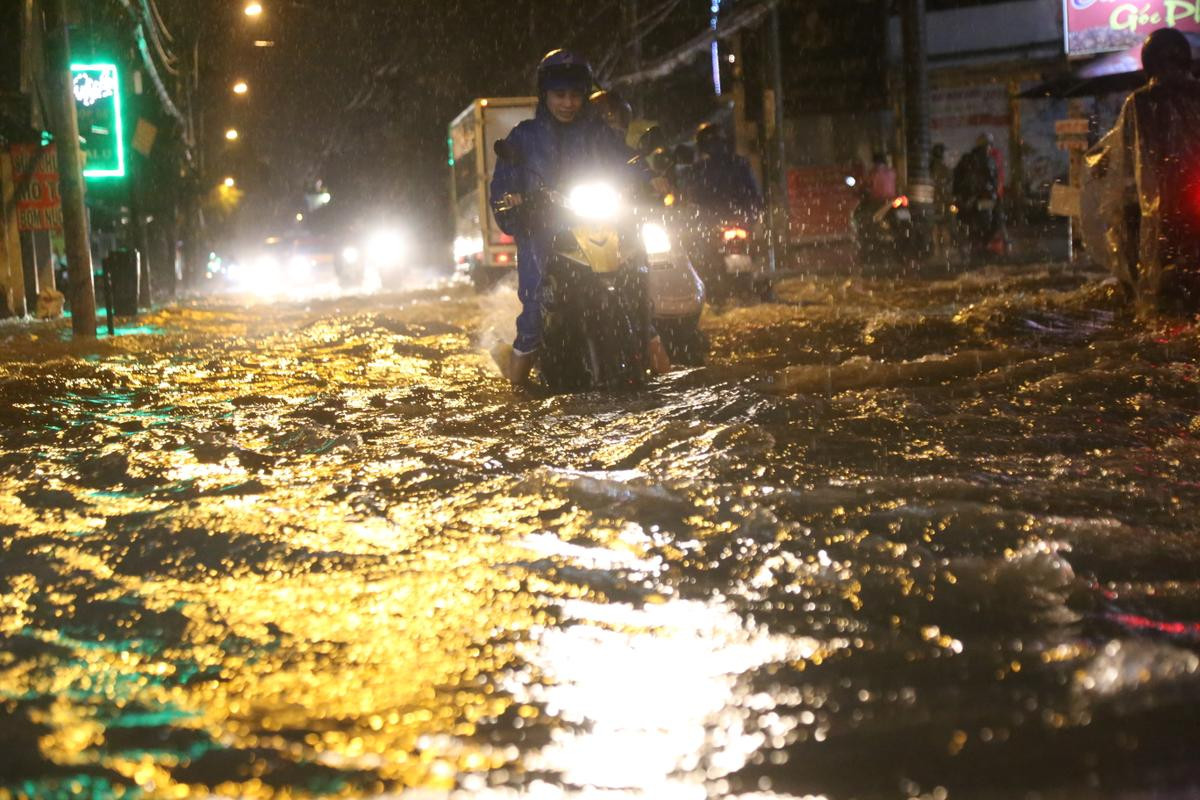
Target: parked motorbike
(595,308)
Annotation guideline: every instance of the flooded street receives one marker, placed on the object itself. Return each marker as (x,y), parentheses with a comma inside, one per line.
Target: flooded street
(928,537)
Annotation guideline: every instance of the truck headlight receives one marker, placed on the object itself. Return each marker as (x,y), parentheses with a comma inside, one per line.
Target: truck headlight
(656,239)
(598,201)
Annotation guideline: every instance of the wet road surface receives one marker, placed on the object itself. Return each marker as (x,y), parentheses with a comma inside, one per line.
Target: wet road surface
(901,538)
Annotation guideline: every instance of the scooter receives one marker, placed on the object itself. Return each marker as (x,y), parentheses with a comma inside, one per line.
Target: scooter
(730,261)
(884,231)
(594,302)
(675,289)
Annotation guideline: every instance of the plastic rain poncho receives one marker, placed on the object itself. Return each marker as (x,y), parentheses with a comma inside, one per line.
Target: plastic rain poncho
(1143,181)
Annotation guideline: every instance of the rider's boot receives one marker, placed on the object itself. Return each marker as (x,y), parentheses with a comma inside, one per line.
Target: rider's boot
(660,362)
(513,365)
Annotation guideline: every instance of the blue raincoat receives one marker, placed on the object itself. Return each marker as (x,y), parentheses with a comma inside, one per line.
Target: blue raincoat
(724,185)
(552,155)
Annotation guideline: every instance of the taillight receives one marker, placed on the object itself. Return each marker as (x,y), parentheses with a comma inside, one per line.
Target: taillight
(900,202)
(735,233)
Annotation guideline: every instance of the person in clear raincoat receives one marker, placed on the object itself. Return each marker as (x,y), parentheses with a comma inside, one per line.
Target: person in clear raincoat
(1143,183)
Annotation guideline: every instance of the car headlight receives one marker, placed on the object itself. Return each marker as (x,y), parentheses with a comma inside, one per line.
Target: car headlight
(656,239)
(350,254)
(598,201)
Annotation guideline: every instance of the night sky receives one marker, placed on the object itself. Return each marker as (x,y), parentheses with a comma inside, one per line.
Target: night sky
(359,93)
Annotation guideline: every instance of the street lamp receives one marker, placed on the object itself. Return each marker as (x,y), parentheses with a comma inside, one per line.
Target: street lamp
(254,9)
(241,87)
(230,182)
(232,134)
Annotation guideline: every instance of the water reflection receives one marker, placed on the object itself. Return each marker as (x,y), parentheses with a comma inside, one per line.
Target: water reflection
(901,538)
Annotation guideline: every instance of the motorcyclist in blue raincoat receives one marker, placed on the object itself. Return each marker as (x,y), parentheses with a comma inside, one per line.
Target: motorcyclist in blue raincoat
(721,183)
(564,139)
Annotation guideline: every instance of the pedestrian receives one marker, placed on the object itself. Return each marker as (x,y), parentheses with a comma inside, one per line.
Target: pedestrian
(1152,160)
(881,180)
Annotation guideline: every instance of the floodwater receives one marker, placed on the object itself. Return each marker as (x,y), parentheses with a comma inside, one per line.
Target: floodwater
(901,538)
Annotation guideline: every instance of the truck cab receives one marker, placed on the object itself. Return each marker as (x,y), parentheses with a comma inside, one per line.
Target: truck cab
(481,250)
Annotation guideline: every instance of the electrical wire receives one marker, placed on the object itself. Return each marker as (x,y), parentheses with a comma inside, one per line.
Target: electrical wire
(162,26)
(168,59)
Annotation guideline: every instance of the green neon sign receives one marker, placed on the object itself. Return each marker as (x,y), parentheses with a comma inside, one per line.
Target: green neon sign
(97,89)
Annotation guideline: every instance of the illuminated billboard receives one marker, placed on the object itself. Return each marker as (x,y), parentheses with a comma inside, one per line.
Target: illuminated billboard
(97,89)
(1101,26)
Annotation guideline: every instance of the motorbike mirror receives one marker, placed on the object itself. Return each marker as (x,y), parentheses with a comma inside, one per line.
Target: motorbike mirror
(684,155)
(506,152)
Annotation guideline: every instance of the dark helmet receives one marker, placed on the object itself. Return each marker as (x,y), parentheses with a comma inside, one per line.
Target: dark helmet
(1165,51)
(710,139)
(651,140)
(560,70)
(612,107)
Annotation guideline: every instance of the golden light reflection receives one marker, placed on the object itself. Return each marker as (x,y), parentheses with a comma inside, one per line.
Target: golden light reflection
(317,549)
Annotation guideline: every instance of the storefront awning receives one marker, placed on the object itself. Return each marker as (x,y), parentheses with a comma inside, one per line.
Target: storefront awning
(1115,72)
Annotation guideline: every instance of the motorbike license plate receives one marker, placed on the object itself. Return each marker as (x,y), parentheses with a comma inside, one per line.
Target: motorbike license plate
(986,205)
(739,263)
(903,215)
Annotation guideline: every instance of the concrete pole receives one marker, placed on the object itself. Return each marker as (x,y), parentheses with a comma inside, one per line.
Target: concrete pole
(776,173)
(916,103)
(70,170)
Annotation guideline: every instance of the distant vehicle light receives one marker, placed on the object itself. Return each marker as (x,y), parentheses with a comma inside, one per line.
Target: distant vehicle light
(502,258)
(467,246)
(350,254)
(735,233)
(900,202)
(596,201)
(300,267)
(386,248)
(850,181)
(656,239)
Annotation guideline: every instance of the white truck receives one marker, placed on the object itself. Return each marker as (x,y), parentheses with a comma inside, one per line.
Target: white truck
(481,250)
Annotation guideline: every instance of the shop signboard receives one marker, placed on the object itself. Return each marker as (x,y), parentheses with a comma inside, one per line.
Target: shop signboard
(1101,26)
(35,173)
(97,89)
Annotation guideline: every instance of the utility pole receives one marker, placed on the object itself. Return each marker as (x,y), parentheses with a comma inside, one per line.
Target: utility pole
(916,117)
(70,164)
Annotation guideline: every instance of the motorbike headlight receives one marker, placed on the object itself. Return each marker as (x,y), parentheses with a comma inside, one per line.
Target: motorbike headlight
(656,239)
(597,201)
